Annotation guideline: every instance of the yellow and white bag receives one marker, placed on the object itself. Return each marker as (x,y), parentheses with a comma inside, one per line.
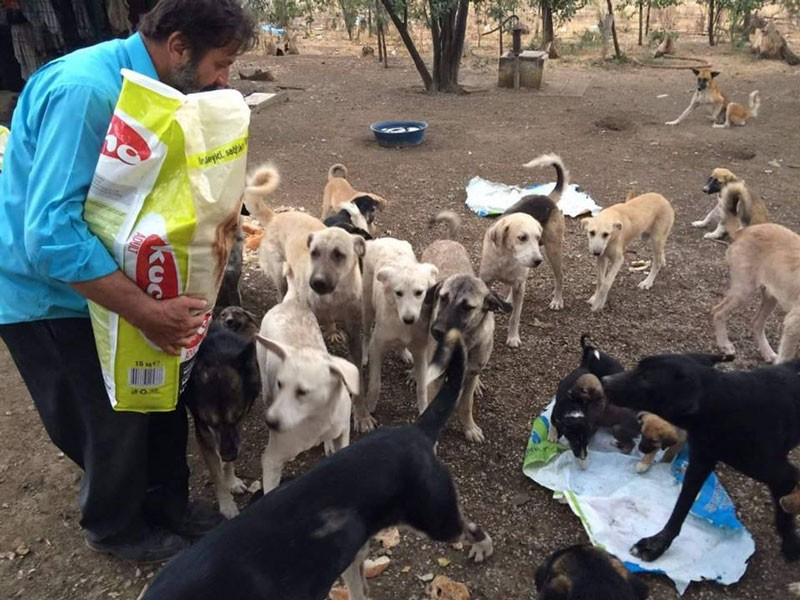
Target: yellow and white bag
(165,201)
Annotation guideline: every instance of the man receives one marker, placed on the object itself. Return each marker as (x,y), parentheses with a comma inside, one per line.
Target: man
(134,494)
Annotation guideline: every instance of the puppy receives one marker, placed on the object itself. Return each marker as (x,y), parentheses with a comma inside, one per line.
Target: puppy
(715,407)
(221,389)
(229,293)
(763,258)
(658,434)
(351,219)
(583,572)
(545,210)
(306,391)
(736,205)
(649,216)
(323,263)
(461,301)
(339,192)
(724,113)
(597,362)
(395,288)
(239,320)
(296,540)
(581,408)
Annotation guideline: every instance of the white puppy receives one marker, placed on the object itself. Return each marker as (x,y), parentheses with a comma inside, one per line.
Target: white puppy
(395,286)
(306,391)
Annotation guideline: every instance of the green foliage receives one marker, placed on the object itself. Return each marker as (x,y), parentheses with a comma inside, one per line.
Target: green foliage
(277,12)
(564,10)
(657,36)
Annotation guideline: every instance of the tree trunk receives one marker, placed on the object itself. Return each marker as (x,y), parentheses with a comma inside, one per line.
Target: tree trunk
(447,31)
(641,20)
(548,33)
(614,29)
(647,20)
(711,15)
(422,69)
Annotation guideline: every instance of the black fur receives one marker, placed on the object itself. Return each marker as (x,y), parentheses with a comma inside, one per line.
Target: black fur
(583,572)
(229,293)
(749,420)
(598,363)
(294,542)
(539,207)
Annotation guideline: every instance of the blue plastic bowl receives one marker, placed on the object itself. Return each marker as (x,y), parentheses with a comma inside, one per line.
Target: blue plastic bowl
(399,134)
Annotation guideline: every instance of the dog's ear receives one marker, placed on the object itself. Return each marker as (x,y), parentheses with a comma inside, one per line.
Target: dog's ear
(309,239)
(618,225)
(273,346)
(585,222)
(714,74)
(348,373)
(359,245)
(385,274)
(433,273)
(251,317)
(433,291)
(494,302)
(696,71)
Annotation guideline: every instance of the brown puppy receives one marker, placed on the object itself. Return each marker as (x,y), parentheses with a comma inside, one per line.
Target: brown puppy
(763,258)
(339,192)
(735,208)
(649,216)
(724,113)
(658,434)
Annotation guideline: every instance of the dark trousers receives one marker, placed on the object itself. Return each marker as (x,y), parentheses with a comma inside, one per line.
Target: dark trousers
(134,465)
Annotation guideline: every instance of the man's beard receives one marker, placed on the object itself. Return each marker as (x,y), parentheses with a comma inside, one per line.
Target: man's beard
(184,78)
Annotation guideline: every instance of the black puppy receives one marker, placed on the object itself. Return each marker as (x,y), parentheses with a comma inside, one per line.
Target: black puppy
(294,542)
(366,206)
(749,420)
(581,406)
(224,383)
(583,572)
(239,320)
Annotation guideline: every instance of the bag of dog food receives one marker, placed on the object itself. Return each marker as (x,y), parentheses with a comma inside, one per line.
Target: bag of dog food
(3,141)
(165,201)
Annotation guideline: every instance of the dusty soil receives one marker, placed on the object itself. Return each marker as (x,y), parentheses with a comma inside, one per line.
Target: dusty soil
(613,139)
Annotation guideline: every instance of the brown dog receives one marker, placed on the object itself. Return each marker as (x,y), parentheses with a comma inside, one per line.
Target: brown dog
(724,113)
(736,207)
(339,192)
(658,434)
(767,258)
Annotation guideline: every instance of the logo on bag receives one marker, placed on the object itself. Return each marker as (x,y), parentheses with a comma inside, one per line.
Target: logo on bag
(156,271)
(124,143)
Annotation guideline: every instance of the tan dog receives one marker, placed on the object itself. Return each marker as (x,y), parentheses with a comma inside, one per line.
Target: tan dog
(338,192)
(767,258)
(658,434)
(723,113)
(323,263)
(736,206)
(649,216)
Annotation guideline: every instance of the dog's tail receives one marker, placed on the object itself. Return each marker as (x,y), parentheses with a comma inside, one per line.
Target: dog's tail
(562,175)
(755,103)
(452,356)
(448,217)
(337,170)
(735,207)
(260,184)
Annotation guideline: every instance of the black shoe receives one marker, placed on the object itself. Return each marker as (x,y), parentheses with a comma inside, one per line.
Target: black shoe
(197,521)
(152,546)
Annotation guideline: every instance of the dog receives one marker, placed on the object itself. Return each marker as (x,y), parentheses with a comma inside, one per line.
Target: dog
(239,320)
(649,216)
(464,302)
(724,113)
(222,387)
(307,392)
(324,263)
(229,293)
(658,434)
(339,192)
(763,258)
(739,205)
(715,408)
(353,217)
(545,210)
(583,572)
(395,289)
(295,541)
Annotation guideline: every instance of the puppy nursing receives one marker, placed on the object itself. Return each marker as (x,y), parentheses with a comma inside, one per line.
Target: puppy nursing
(649,216)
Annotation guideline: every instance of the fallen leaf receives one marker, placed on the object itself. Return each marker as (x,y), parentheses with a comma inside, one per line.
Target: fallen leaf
(443,562)
(373,568)
(405,569)
(427,577)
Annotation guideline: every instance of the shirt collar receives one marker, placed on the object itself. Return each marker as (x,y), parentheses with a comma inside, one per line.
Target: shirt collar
(140,58)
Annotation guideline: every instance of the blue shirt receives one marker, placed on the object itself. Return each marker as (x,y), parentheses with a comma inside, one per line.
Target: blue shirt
(57,132)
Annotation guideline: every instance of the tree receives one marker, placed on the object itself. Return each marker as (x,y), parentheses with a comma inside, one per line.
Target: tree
(557,11)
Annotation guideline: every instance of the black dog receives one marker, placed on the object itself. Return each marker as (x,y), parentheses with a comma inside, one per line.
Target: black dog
(224,383)
(294,542)
(366,206)
(749,420)
(581,405)
(239,320)
(229,293)
(583,572)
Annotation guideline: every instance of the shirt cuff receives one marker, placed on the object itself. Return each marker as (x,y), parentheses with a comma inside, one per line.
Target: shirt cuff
(76,263)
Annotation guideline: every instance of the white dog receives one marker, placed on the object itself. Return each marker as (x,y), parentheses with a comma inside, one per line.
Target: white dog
(306,391)
(395,287)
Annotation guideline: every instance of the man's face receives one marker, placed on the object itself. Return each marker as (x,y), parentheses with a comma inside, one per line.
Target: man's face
(211,70)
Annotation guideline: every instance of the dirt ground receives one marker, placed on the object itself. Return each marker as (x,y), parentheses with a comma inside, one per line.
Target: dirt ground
(607,124)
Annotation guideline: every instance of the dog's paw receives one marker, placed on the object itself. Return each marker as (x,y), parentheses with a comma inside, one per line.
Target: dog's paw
(598,305)
(513,341)
(671,122)
(474,434)
(713,235)
(728,349)
(327,446)
(482,550)
(591,299)
(649,549)
(769,355)
(794,588)
(719,126)
(646,284)
(407,357)
(790,547)
(552,433)
(228,508)
(699,224)
(583,463)
(237,486)
(364,424)
(642,467)
(557,304)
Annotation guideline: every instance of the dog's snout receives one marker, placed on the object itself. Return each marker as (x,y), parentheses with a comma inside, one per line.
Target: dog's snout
(273,423)
(596,252)
(537,262)
(229,454)
(321,285)
(229,321)
(409,319)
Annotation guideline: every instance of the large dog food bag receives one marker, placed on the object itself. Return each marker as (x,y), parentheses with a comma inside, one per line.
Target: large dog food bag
(165,201)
